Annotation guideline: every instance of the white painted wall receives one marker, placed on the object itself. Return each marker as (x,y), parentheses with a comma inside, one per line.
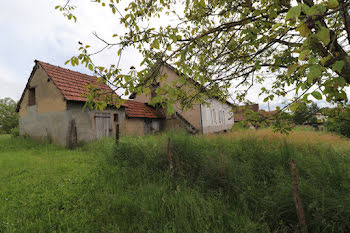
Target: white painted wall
(216,116)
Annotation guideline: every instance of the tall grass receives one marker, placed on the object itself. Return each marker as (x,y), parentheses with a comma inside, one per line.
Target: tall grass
(222,183)
(251,178)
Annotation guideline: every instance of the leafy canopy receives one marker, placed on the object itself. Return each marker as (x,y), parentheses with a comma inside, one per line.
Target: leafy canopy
(338,120)
(304,113)
(8,115)
(225,44)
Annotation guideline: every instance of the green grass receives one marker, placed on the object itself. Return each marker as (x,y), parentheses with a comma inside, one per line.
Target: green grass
(220,184)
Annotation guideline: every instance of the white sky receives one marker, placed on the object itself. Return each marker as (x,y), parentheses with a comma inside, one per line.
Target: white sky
(34,30)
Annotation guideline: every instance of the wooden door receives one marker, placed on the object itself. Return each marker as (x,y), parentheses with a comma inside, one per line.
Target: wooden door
(102,124)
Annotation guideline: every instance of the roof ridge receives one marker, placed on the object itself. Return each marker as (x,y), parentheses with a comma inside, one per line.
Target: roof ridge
(72,84)
(64,68)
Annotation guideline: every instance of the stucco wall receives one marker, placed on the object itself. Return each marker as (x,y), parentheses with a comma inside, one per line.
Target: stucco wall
(133,127)
(142,126)
(86,121)
(216,126)
(53,126)
(48,98)
(174,123)
(48,118)
(168,76)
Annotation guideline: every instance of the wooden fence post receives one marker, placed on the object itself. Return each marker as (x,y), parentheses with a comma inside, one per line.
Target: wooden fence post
(296,197)
(170,158)
(117,134)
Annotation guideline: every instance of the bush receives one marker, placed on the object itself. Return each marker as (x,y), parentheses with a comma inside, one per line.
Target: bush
(8,115)
(14,132)
(339,121)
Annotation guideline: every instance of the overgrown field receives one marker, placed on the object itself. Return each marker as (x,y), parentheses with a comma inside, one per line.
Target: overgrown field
(238,182)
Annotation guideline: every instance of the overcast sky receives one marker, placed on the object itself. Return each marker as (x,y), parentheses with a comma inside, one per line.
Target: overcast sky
(34,30)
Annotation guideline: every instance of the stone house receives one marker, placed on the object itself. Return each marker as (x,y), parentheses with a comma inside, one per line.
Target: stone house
(52,106)
(201,118)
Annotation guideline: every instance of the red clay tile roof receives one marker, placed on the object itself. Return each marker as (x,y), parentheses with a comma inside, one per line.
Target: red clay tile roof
(239,117)
(268,114)
(139,109)
(239,114)
(73,84)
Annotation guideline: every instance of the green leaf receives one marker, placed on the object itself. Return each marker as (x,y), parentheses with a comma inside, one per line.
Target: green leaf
(304,55)
(173,37)
(302,86)
(275,26)
(338,66)
(292,68)
(315,71)
(332,4)
(323,35)
(170,108)
(303,29)
(341,81)
(325,59)
(317,9)
(91,67)
(317,95)
(155,44)
(293,12)
(305,8)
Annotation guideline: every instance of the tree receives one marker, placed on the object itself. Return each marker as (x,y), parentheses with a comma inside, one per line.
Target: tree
(8,115)
(304,113)
(313,110)
(338,120)
(225,44)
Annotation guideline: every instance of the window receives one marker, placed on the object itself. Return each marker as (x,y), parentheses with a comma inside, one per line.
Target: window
(31,96)
(116,117)
(209,119)
(213,116)
(154,88)
(222,117)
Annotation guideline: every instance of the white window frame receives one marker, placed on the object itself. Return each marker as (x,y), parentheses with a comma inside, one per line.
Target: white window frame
(209,118)
(213,116)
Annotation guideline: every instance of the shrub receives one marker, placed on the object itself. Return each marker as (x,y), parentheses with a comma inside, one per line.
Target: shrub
(8,115)
(339,121)
(14,132)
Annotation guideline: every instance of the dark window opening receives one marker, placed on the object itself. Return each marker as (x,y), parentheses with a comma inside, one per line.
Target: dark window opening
(154,87)
(31,97)
(116,117)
